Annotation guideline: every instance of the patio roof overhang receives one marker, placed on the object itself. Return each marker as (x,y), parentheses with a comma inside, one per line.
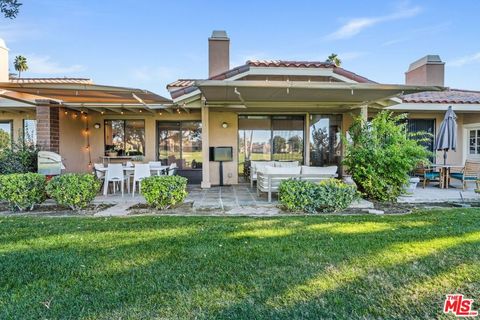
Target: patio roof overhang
(342,95)
(84,96)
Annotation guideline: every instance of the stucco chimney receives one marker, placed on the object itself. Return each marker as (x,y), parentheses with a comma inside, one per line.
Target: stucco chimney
(427,71)
(3,62)
(218,53)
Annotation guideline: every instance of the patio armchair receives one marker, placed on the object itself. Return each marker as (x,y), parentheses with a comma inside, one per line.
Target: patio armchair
(427,174)
(172,170)
(469,173)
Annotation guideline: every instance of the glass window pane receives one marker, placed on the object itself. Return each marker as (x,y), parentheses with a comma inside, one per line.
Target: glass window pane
(191,145)
(325,142)
(287,140)
(134,137)
(169,143)
(5,134)
(115,136)
(30,131)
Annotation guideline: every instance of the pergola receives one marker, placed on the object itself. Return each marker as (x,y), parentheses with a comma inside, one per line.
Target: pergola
(81,97)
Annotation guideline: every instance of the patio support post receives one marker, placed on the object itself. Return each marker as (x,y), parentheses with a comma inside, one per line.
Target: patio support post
(307,139)
(205,148)
(364,112)
(48,126)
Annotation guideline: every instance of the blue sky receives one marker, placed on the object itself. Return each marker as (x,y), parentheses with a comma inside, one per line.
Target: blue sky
(147,44)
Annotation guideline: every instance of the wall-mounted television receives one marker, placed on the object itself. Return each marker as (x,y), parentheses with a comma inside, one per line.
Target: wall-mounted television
(221,154)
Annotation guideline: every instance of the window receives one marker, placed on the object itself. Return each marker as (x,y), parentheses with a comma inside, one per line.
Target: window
(424,125)
(5,134)
(278,137)
(474,142)
(325,142)
(180,143)
(127,137)
(30,132)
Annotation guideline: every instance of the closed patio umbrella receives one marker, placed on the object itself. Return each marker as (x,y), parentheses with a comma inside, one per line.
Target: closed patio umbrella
(447,134)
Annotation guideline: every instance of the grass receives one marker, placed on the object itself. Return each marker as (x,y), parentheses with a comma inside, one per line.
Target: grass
(238,268)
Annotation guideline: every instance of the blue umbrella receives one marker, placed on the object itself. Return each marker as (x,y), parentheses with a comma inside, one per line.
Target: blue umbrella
(447,134)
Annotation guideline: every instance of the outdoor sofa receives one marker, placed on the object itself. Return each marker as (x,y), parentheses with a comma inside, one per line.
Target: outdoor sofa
(269,177)
(256,166)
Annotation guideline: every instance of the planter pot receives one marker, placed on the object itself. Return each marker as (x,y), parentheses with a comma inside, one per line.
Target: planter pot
(112,154)
(137,162)
(412,185)
(348,180)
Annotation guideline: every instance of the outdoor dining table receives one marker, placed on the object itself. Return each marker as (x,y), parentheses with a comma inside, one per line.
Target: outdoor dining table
(445,173)
(157,169)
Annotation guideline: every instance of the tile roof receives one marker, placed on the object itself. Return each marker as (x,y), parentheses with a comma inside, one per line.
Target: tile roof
(51,80)
(185,86)
(448,96)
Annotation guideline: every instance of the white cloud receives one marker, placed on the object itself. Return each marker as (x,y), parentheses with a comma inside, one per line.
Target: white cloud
(459,62)
(154,74)
(45,65)
(356,25)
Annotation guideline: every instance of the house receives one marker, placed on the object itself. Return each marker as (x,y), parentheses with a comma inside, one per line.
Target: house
(427,109)
(281,110)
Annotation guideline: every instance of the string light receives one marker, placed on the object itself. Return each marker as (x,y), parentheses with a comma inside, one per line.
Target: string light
(66,112)
(87,138)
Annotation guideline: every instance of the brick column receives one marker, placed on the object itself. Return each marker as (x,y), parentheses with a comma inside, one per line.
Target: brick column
(48,127)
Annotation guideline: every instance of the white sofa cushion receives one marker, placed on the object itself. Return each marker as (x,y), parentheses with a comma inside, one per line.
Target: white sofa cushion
(256,166)
(277,170)
(286,164)
(319,170)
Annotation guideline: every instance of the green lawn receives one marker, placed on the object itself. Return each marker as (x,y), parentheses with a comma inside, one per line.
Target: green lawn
(238,268)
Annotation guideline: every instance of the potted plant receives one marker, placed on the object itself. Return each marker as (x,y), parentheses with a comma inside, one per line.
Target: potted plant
(111,152)
(412,184)
(138,159)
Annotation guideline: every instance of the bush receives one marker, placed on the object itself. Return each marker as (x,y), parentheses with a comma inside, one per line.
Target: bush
(163,192)
(20,157)
(75,190)
(22,191)
(381,154)
(327,196)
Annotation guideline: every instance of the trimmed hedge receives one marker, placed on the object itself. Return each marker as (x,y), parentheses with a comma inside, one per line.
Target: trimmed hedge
(22,191)
(327,196)
(163,192)
(75,190)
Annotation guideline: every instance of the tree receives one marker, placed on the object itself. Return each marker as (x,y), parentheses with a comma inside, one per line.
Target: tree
(9,8)
(333,58)
(20,64)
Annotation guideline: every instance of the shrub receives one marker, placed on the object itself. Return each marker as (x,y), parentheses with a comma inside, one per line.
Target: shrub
(75,190)
(327,196)
(20,157)
(380,155)
(163,192)
(22,191)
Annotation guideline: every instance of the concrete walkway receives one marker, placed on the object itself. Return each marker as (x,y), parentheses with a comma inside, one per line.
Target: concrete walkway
(433,194)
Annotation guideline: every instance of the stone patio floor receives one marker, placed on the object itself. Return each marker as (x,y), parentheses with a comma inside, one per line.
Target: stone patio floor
(241,199)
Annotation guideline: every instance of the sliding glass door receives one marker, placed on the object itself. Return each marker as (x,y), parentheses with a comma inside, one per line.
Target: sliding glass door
(325,142)
(267,137)
(180,142)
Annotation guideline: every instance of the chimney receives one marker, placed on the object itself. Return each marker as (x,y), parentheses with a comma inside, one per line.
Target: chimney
(3,62)
(218,53)
(427,71)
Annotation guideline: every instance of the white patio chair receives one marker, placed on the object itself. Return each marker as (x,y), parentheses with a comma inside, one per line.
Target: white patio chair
(129,173)
(115,175)
(155,166)
(172,169)
(142,171)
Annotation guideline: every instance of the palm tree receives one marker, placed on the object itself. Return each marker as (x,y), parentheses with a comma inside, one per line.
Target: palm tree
(20,64)
(333,58)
